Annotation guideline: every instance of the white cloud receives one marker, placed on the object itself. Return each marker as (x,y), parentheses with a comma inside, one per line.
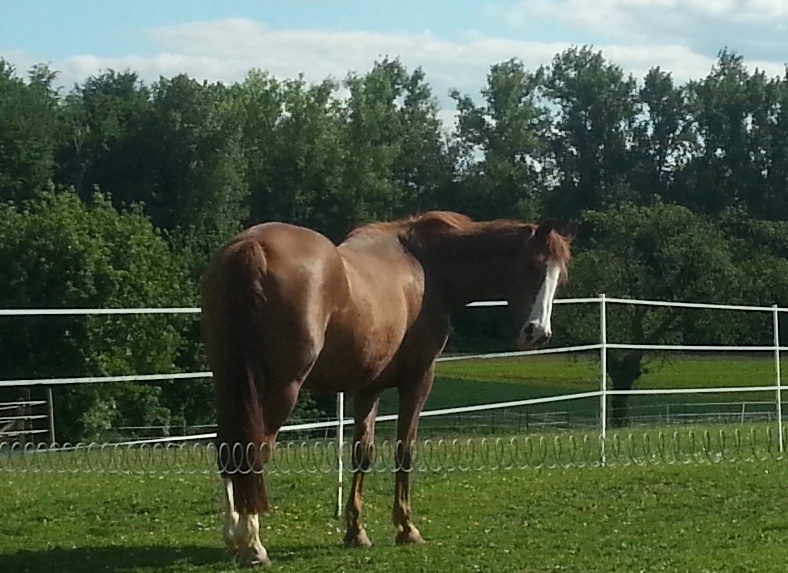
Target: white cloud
(689,22)
(226,50)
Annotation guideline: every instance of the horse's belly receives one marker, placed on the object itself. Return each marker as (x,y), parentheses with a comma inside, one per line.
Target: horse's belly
(347,366)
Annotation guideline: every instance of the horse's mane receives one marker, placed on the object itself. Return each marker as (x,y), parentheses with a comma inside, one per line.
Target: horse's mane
(406,225)
(434,225)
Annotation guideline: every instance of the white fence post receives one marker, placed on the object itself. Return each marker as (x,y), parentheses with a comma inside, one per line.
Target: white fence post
(51,416)
(776,317)
(340,449)
(603,378)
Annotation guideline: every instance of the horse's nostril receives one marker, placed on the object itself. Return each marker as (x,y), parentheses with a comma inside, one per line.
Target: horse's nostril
(528,331)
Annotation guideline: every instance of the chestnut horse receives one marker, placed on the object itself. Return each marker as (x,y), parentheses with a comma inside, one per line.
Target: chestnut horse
(283,308)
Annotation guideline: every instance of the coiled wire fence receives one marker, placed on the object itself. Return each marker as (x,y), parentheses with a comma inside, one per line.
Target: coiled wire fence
(560,450)
(546,448)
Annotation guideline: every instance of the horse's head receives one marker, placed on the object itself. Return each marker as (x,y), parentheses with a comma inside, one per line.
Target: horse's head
(540,268)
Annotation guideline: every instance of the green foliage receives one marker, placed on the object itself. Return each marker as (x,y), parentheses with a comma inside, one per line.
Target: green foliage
(666,252)
(589,135)
(28,130)
(104,145)
(60,252)
(198,191)
(501,145)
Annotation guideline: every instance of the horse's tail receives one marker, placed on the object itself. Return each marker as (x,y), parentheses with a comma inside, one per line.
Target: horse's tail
(239,378)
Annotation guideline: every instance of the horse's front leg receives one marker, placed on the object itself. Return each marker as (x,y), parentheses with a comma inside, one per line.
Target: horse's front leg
(365,410)
(411,403)
(403,514)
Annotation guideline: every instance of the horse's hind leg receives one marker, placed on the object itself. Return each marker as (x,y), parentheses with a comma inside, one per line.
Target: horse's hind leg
(241,529)
(412,400)
(241,532)
(278,403)
(365,409)
(230,518)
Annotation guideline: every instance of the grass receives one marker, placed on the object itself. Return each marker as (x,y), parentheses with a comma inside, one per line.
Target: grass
(562,374)
(720,517)
(699,517)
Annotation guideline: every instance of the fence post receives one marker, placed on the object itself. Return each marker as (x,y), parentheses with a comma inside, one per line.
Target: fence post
(603,378)
(51,413)
(340,448)
(776,317)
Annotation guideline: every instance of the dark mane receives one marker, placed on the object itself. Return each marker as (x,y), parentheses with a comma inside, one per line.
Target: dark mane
(560,247)
(416,230)
(402,227)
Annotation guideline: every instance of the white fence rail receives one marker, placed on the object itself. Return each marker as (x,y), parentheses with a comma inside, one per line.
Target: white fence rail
(341,422)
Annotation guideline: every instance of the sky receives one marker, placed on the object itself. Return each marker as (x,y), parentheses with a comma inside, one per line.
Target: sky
(454,41)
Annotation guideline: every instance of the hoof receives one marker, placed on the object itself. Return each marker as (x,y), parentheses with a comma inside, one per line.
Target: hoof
(410,535)
(253,558)
(357,539)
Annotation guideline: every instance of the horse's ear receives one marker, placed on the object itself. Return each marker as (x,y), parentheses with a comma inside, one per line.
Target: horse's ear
(569,230)
(545,228)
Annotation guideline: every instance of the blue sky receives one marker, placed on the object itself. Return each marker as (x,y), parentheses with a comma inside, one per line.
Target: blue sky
(455,41)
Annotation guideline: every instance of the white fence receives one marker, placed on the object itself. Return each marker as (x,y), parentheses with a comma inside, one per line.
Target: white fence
(602,347)
(18,417)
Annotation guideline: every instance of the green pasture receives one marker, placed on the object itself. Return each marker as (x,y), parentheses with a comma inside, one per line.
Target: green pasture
(483,381)
(727,517)
(477,381)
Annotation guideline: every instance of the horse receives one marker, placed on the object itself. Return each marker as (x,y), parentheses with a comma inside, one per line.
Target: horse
(285,308)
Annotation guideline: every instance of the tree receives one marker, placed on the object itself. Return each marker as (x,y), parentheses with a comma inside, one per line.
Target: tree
(656,252)
(597,107)
(664,140)
(103,144)
(29,127)
(396,161)
(196,188)
(741,123)
(424,168)
(59,252)
(293,150)
(501,145)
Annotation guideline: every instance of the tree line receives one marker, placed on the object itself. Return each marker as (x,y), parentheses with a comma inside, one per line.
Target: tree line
(115,193)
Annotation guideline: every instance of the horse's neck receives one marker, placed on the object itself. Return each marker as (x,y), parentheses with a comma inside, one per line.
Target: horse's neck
(467,268)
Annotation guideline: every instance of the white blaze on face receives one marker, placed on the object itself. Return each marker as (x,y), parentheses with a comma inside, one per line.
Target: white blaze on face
(538,327)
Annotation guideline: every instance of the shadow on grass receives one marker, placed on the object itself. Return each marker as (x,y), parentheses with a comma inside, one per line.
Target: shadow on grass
(123,559)
(95,559)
